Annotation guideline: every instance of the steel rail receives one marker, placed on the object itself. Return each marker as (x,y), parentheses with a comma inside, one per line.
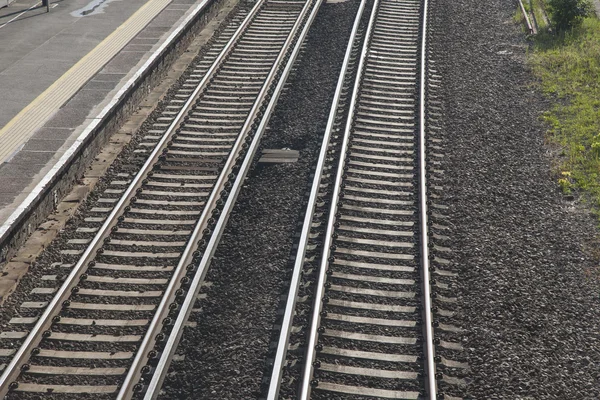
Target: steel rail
(431,385)
(288,317)
(13,369)
(188,303)
(305,388)
(149,340)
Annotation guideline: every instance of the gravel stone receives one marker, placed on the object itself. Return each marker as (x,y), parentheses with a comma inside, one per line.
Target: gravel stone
(527,257)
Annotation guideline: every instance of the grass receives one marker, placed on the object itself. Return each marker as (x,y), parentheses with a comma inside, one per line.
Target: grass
(568,68)
(538,12)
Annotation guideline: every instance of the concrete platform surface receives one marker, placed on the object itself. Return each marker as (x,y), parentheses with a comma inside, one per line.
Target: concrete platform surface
(58,70)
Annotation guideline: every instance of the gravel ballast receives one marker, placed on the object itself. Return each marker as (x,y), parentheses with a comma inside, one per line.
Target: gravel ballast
(527,256)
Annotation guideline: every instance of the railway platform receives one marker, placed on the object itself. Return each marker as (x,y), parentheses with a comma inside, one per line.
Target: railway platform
(59,71)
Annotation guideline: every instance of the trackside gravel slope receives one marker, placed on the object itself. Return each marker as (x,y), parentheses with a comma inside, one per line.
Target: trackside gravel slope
(527,257)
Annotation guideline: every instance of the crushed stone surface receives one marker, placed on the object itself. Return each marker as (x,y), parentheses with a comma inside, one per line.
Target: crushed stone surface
(528,257)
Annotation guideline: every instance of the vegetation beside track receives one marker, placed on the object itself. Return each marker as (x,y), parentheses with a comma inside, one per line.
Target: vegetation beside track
(567,65)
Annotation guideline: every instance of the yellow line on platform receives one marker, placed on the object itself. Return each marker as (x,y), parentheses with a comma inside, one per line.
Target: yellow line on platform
(40,110)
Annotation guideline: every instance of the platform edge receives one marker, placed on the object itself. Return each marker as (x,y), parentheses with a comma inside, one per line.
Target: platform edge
(58,181)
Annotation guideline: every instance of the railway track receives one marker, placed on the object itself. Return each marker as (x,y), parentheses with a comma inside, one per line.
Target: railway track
(358,320)
(109,324)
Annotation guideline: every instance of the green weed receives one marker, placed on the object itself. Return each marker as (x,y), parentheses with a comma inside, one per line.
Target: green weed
(568,68)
